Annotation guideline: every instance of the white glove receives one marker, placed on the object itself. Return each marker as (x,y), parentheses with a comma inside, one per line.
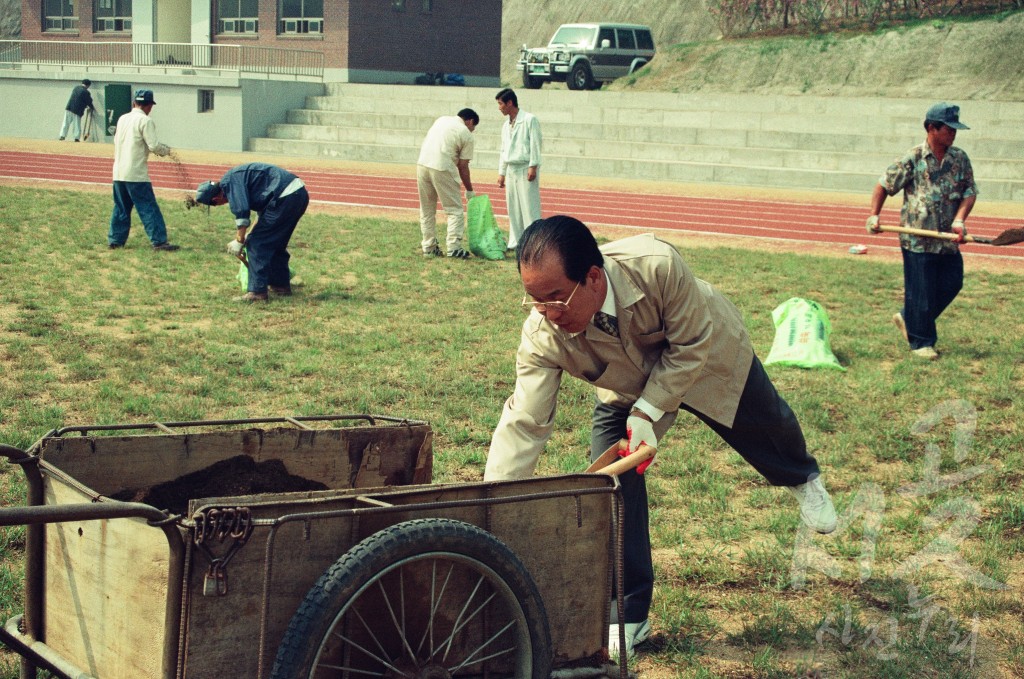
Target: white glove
(640,430)
(470,195)
(960,228)
(872,224)
(235,248)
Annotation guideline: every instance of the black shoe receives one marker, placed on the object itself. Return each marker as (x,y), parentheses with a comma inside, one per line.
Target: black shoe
(60,138)
(459,253)
(76,140)
(115,246)
(435,252)
(279,290)
(167,247)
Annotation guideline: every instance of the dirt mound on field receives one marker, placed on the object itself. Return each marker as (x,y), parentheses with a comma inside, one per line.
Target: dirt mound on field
(239,475)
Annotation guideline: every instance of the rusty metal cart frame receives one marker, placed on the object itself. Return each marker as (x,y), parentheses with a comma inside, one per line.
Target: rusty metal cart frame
(356,511)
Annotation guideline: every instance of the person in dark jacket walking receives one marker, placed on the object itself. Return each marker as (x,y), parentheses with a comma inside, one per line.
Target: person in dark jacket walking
(279,198)
(78,103)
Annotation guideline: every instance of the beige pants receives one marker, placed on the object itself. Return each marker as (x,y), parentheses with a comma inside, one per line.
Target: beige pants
(437,185)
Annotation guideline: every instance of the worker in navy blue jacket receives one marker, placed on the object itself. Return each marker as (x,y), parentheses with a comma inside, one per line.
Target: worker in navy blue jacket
(79,101)
(279,199)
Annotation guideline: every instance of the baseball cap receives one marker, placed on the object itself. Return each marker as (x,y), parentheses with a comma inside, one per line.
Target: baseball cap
(144,97)
(947,114)
(206,192)
(87,82)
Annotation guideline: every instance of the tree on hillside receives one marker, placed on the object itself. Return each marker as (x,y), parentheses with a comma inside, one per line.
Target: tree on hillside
(747,17)
(10,18)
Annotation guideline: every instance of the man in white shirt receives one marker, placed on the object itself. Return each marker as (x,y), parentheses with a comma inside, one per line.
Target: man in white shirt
(134,139)
(444,159)
(519,165)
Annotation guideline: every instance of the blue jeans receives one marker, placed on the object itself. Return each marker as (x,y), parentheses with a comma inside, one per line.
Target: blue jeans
(266,246)
(138,195)
(930,283)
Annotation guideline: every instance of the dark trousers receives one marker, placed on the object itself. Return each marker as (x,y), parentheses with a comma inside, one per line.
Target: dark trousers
(930,283)
(266,246)
(765,433)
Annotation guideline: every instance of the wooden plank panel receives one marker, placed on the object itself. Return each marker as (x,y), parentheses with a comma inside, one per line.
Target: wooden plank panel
(106,588)
(570,562)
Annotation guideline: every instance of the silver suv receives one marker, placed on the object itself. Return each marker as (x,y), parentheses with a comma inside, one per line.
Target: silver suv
(584,56)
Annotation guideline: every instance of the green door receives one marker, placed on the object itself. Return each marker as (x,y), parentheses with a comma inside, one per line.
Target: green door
(118,101)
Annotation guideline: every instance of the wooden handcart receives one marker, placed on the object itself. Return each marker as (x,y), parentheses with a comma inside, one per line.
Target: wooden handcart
(306,547)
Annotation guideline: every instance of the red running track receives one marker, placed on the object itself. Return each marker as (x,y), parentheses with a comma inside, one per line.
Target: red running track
(840,225)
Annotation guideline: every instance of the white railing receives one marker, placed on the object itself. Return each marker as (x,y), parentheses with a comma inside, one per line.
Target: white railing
(164,55)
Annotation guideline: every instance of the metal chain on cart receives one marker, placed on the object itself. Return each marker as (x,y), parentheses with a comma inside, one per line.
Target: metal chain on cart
(218,524)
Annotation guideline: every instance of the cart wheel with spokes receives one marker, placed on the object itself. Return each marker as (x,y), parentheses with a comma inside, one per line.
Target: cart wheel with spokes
(423,599)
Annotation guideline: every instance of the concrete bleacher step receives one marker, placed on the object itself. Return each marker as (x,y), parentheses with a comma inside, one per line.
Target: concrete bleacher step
(356,124)
(792,142)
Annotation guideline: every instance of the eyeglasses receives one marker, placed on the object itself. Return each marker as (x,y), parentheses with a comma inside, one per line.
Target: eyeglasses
(544,307)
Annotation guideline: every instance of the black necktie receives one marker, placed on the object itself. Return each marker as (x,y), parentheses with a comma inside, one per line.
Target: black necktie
(607,323)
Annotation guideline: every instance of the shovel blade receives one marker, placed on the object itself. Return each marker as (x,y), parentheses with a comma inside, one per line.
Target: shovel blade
(1009,237)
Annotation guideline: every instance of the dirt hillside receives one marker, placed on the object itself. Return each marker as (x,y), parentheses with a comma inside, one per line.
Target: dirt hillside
(941,60)
(954,60)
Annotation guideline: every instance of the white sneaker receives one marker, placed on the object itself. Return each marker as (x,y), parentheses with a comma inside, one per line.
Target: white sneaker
(636,633)
(927,353)
(816,507)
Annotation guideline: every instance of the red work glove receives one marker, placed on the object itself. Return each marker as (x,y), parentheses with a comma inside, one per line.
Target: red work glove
(639,430)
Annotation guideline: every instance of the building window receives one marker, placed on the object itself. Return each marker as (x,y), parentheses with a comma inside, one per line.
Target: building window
(428,6)
(112,16)
(238,16)
(301,16)
(398,5)
(59,15)
(205,101)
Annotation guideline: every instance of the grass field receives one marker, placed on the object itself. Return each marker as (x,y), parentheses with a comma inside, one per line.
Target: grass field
(924,460)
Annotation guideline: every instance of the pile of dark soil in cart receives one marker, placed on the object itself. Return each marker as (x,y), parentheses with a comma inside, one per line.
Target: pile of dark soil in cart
(240,475)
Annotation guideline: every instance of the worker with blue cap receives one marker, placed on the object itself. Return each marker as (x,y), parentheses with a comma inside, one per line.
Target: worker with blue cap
(939,192)
(134,139)
(279,199)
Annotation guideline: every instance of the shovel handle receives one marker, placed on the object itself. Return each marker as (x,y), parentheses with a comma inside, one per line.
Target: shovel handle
(612,465)
(931,234)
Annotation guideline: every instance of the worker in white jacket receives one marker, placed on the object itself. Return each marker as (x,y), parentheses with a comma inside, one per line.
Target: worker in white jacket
(519,165)
(134,139)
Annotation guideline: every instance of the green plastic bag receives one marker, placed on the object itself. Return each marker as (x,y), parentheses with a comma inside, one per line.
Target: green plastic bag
(802,332)
(243,274)
(485,239)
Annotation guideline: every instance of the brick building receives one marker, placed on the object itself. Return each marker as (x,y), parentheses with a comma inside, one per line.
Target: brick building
(387,41)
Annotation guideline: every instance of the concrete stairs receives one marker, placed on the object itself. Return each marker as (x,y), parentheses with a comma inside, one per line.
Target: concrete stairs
(810,143)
